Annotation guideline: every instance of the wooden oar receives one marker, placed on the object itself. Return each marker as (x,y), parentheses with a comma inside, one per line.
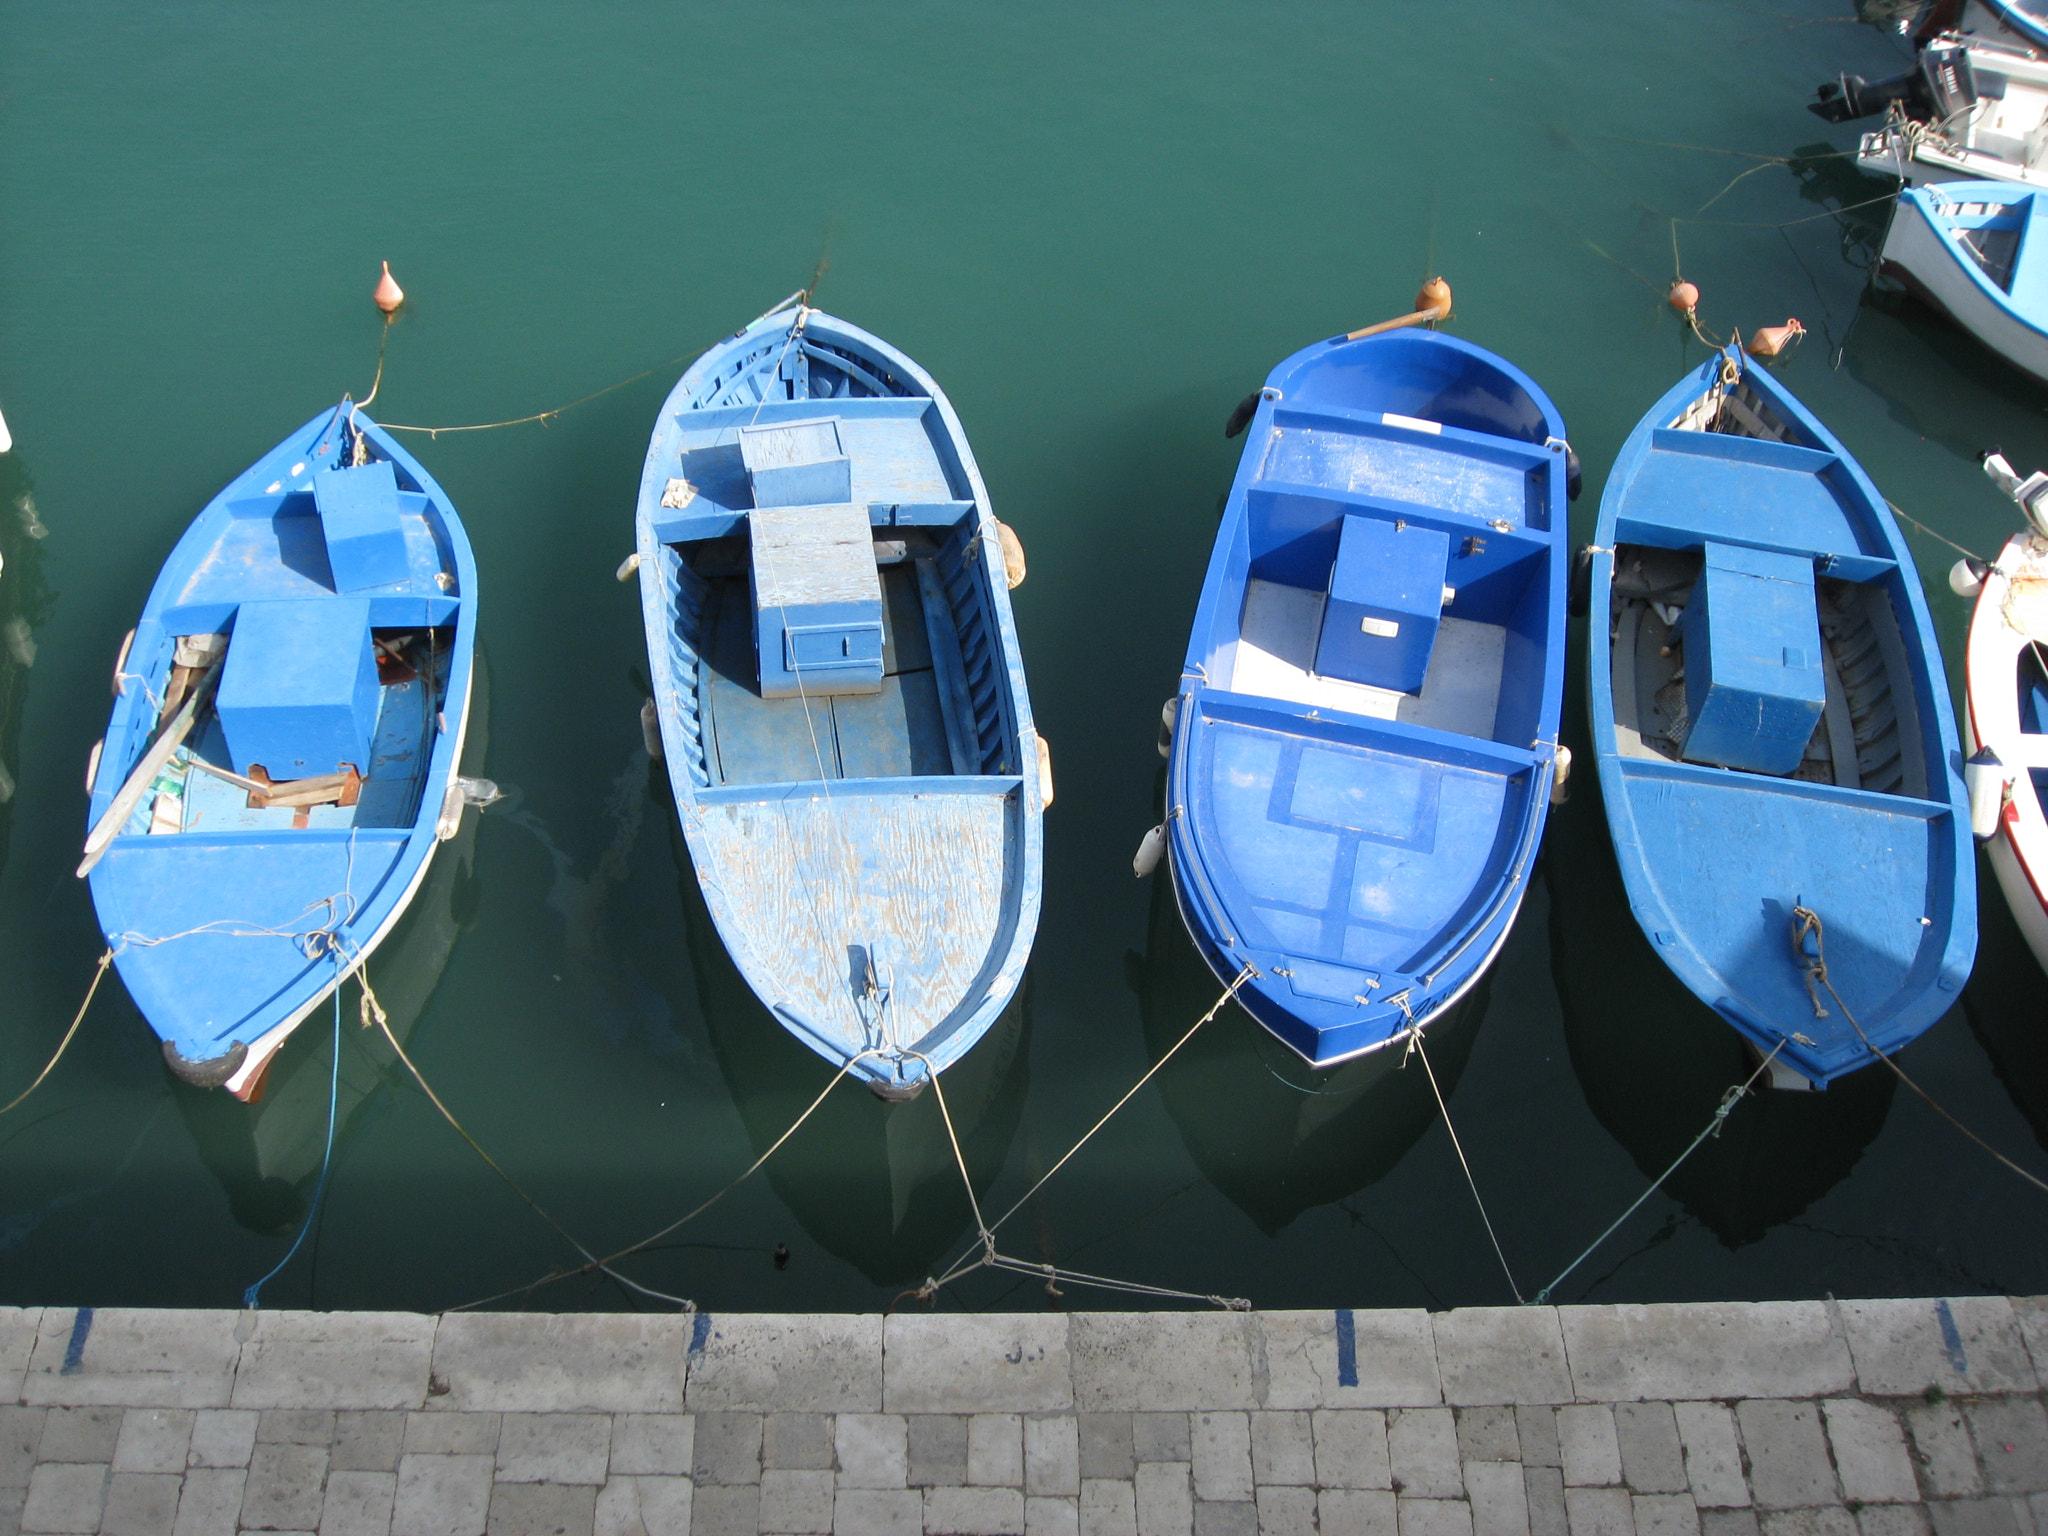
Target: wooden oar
(1432,304)
(167,742)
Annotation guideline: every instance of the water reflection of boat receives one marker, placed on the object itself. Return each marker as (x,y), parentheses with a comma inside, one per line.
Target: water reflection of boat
(1654,1061)
(25,603)
(2002,1003)
(1272,1135)
(267,1154)
(872,1182)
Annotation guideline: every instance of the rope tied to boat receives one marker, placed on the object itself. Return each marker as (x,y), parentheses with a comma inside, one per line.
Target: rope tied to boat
(1805,919)
(1415,1048)
(1813,965)
(99,974)
(252,1297)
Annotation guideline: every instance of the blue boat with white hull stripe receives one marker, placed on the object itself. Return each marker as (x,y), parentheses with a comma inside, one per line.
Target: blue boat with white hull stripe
(1774,731)
(840,694)
(282,757)
(1366,729)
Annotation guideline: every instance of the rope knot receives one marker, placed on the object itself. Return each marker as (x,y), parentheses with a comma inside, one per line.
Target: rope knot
(1809,940)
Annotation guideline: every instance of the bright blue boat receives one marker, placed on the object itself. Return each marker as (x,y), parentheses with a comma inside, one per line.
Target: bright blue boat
(1773,727)
(282,757)
(840,694)
(1366,729)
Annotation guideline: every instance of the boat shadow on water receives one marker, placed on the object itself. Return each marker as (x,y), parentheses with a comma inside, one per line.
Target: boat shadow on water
(1273,1135)
(25,603)
(2002,1003)
(872,1183)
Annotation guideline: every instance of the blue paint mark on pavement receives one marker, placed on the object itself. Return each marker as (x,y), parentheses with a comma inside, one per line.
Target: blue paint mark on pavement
(1347,1349)
(1951,1340)
(700,1330)
(74,1352)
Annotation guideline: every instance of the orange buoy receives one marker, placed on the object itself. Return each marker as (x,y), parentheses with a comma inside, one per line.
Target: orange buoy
(1683,297)
(1432,304)
(1436,295)
(388,295)
(1770,340)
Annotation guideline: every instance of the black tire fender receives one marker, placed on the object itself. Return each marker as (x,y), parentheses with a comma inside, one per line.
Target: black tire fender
(210,1073)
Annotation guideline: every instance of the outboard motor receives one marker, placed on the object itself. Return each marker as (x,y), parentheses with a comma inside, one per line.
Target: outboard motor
(1848,97)
(1952,85)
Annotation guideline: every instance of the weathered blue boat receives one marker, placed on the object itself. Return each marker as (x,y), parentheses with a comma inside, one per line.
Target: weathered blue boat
(1366,730)
(282,757)
(1773,728)
(1969,249)
(840,695)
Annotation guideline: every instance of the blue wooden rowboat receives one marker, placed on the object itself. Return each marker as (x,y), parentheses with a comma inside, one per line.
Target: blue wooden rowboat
(841,698)
(1366,729)
(281,761)
(1978,252)
(1773,727)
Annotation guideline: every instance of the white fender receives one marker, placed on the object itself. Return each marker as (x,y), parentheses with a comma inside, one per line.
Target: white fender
(121,661)
(1044,772)
(1560,778)
(628,566)
(650,729)
(1984,777)
(1169,716)
(1150,849)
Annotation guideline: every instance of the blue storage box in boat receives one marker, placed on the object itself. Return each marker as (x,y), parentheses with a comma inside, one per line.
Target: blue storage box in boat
(797,463)
(359,517)
(817,601)
(298,692)
(1754,687)
(1386,597)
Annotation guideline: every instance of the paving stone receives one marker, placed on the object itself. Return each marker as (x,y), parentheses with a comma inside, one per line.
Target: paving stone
(872,1450)
(367,1440)
(1009,1362)
(1536,1432)
(1393,1357)
(1901,1347)
(1973,1517)
(796,1502)
(1165,1498)
(65,1497)
(358,1503)
(222,1437)
(1226,1517)
(541,1509)
(451,1434)
(295,1426)
(1357,1512)
(1435,1517)
(1666,1514)
(827,1362)
(790,1442)
(1788,1454)
(1052,1458)
(644,1506)
(665,1444)
(335,1360)
(1160,1437)
(1222,1452)
(1107,1448)
(1713,1456)
(1125,1361)
(210,1503)
(973,1512)
(1591,1448)
(141,1504)
(1045,1515)
(1422,1448)
(1544,1488)
(1870,1452)
(439,1495)
(21,1431)
(1672,1352)
(586,1362)
(1501,1355)
(557,1448)
(726,1449)
(134,1357)
(1652,1458)
(80,1434)
(1488,1434)
(152,1440)
(1941,1444)
(2030,1313)
(1283,1449)
(995,1450)
(733,1510)
(1808,1522)
(1599,1512)
(1892,1520)
(1351,1448)
(1729,1522)
(285,1483)
(938,1450)
(881,1512)
(1499,1499)
(2012,1444)
(1108,1507)
(1287,1511)
(17,1339)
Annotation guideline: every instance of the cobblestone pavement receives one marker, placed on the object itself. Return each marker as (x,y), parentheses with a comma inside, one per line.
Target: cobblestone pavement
(1867,1418)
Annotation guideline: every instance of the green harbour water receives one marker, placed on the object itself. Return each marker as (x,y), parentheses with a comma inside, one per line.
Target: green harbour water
(1097,227)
